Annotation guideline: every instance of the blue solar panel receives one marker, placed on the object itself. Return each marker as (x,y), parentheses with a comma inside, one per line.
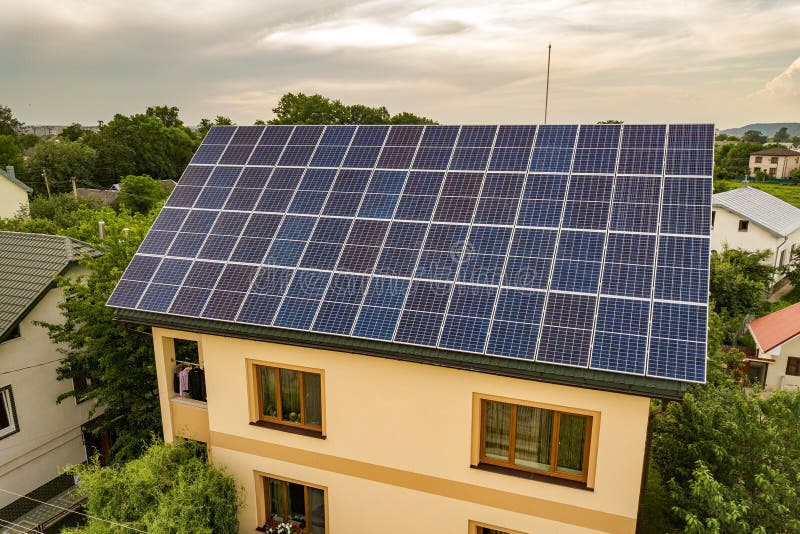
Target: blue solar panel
(572,245)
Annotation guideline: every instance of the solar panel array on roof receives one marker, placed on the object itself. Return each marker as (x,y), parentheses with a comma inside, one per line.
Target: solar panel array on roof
(585,246)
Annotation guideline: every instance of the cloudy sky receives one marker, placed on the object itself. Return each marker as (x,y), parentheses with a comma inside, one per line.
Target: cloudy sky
(731,62)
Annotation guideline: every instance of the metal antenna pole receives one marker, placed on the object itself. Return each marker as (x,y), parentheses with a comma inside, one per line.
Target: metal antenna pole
(547,87)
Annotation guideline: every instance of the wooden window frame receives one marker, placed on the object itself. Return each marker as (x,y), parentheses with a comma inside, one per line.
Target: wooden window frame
(262,496)
(793,362)
(257,413)
(476,527)
(590,441)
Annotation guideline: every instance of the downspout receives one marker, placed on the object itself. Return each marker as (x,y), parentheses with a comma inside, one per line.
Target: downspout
(777,250)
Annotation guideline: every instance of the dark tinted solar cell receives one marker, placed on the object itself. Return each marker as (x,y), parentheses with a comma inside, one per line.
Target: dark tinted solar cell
(444,136)
(370,135)
(195,175)
(335,318)
(250,249)
(247,135)
(306,135)
(274,200)
(464,333)
(455,209)
(680,360)
(318,179)
(308,284)
(533,243)
(428,296)
(219,135)
(573,275)
(358,259)
(619,352)
(578,245)
(415,207)
(588,215)
(546,187)
(519,306)
(223,305)
(477,136)
(351,181)
(503,185)
(627,280)
(212,198)
(285,178)
(470,159)
(276,135)
(496,211)
(272,281)
(208,154)
(419,328)
(361,156)
(342,204)
(679,190)
(644,136)
(157,297)
(590,188)
(397,261)
(515,340)
(545,213)
(634,217)
(574,311)
(259,309)
(337,135)
(690,162)
(516,136)
(368,232)
(170,219)
(396,157)
(284,253)
(472,301)
(687,252)
(386,292)
(200,221)
(675,283)
(328,156)
(185,245)
(378,206)
(183,196)
(637,189)
(189,301)
(600,160)
(376,323)
(296,313)
(254,177)
(432,158)
(348,288)
(203,274)
(265,155)
(296,155)
(262,225)
(599,136)
(565,346)
(404,135)
(242,199)
(217,247)
(127,294)
(141,268)
(156,242)
(551,160)
(641,161)
(437,265)
(236,155)
(308,202)
(556,136)
(623,316)
(321,255)
(631,248)
(510,159)
(690,220)
(172,271)
(689,136)
(462,184)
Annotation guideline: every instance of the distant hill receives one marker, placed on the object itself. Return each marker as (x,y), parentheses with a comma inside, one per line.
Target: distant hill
(767,128)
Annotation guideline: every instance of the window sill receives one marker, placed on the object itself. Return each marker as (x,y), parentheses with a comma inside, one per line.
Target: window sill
(532,476)
(290,429)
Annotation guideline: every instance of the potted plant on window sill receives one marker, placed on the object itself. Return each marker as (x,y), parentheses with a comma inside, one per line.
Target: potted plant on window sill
(273,526)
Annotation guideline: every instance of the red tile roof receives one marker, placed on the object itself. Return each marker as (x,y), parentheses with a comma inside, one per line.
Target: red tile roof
(775,151)
(776,328)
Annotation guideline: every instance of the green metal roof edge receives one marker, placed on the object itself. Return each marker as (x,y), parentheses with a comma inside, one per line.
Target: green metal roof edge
(515,368)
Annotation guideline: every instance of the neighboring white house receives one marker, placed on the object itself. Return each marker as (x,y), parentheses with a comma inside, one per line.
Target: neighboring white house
(777,161)
(38,437)
(777,337)
(751,219)
(13,194)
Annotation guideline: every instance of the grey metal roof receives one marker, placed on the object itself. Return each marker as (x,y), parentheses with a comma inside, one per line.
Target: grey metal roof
(14,181)
(28,263)
(773,214)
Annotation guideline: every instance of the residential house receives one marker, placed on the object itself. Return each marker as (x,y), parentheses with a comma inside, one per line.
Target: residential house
(38,437)
(777,336)
(352,382)
(777,162)
(751,219)
(13,194)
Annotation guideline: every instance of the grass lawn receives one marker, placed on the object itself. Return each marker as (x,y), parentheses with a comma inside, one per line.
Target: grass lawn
(786,192)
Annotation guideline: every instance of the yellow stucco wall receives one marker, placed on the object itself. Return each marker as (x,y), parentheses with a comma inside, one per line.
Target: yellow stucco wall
(776,372)
(12,197)
(399,444)
(784,166)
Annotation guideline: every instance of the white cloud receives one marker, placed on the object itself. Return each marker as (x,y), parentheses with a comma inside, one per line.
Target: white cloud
(787,83)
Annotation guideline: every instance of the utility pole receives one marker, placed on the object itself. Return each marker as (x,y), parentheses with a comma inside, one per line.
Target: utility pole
(46,183)
(74,188)
(547,87)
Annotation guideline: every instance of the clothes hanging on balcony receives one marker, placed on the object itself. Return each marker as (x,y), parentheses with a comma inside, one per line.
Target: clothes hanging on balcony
(183,380)
(197,384)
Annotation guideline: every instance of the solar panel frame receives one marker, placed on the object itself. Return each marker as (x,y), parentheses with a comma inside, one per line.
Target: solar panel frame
(383,192)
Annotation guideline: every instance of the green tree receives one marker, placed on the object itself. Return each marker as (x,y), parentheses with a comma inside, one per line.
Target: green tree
(10,152)
(611,121)
(168,115)
(73,132)
(299,108)
(733,160)
(141,144)
(63,209)
(781,136)
(8,124)
(62,161)
(739,280)
(404,117)
(115,360)
(140,194)
(171,489)
(754,136)
(360,114)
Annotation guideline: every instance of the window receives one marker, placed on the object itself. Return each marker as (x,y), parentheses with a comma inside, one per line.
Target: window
(793,366)
(783,257)
(289,397)
(713,218)
(774,161)
(291,502)
(743,225)
(772,171)
(759,159)
(537,440)
(8,413)
(476,527)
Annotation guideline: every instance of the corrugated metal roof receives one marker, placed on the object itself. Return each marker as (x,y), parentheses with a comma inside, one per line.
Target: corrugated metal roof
(28,263)
(772,213)
(777,327)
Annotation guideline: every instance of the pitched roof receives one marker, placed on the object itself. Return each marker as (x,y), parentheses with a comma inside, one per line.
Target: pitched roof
(775,151)
(777,327)
(773,214)
(28,263)
(16,182)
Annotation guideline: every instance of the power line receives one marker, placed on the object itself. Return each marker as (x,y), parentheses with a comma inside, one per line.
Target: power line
(30,366)
(74,511)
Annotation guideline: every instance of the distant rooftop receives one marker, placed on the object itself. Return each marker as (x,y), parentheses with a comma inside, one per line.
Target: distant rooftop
(773,214)
(776,328)
(775,151)
(28,263)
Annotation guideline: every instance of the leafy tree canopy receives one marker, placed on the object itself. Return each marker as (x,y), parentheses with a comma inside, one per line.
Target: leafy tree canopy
(754,136)
(611,121)
(62,160)
(739,281)
(171,489)
(73,132)
(781,136)
(10,152)
(733,160)
(206,124)
(115,360)
(140,194)
(8,124)
(317,109)
(168,115)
